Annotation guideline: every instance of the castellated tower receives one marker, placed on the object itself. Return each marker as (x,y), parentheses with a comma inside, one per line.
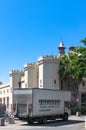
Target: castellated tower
(48,72)
(31,75)
(15,78)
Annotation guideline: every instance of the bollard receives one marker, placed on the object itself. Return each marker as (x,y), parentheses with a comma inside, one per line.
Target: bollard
(2,121)
(78,113)
(11,121)
(85,122)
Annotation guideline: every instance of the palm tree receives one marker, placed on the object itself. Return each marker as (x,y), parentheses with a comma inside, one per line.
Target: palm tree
(72,69)
(83,41)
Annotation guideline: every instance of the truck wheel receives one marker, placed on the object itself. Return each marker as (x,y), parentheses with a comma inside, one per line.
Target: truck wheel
(40,121)
(44,120)
(65,116)
(30,123)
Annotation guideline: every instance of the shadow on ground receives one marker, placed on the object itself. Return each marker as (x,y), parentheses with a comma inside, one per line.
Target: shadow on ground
(56,123)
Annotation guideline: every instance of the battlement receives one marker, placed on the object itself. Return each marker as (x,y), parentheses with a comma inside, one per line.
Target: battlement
(47,57)
(16,72)
(30,65)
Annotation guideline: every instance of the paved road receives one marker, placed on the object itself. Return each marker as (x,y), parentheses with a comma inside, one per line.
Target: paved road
(74,123)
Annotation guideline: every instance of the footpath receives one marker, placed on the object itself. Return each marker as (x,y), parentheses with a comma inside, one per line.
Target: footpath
(74,117)
(79,118)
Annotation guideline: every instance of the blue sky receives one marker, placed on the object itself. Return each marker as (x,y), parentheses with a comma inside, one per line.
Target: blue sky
(32,28)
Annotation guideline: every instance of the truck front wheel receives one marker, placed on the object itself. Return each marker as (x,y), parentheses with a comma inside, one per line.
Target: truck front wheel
(65,116)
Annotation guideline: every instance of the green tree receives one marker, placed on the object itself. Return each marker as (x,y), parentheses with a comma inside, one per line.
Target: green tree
(73,64)
(83,41)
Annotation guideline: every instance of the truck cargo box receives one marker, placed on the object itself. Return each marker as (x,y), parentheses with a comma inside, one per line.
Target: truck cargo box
(35,103)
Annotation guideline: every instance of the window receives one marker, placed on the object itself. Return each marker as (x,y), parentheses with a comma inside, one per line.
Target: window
(40,86)
(7,90)
(25,85)
(7,101)
(54,81)
(83,100)
(4,100)
(40,83)
(83,83)
(19,84)
(4,92)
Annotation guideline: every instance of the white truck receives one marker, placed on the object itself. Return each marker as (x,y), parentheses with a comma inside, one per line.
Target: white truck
(41,105)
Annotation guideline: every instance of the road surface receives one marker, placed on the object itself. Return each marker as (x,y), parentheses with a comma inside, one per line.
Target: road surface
(74,123)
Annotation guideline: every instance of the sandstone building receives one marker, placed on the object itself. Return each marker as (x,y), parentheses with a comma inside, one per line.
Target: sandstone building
(43,74)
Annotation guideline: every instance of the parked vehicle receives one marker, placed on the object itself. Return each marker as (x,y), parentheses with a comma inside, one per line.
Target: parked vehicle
(41,105)
(5,114)
(2,109)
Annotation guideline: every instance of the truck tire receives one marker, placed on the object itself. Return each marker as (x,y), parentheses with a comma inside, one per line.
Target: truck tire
(30,123)
(65,116)
(44,120)
(40,120)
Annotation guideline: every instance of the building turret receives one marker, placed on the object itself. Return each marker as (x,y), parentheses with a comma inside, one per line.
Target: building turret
(61,48)
(71,48)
